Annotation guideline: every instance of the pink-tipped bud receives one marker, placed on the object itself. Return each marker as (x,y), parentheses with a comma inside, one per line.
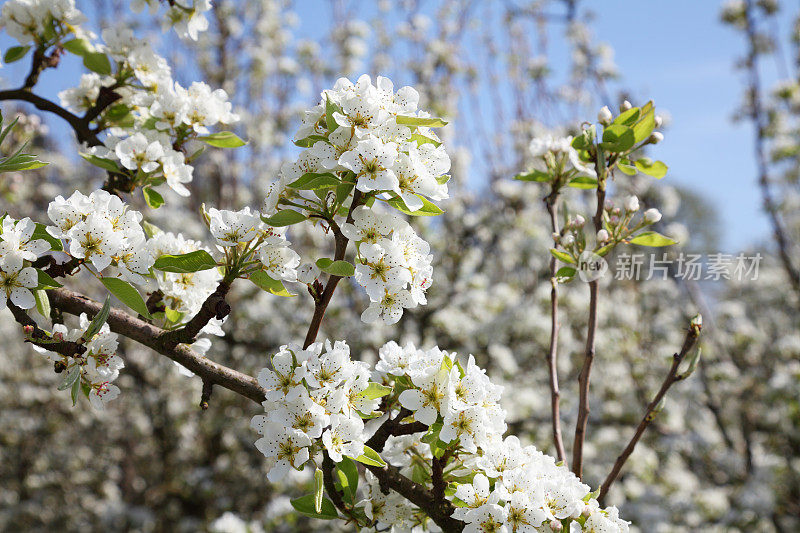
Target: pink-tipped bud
(579,221)
(567,240)
(602,236)
(28,330)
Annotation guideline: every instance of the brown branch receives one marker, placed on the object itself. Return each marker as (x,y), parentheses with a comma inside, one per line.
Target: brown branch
(80,128)
(588,356)
(552,355)
(215,306)
(760,120)
(322,300)
(652,408)
(154,337)
(36,336)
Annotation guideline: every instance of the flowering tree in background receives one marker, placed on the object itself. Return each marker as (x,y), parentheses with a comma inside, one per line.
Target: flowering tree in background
(366,433)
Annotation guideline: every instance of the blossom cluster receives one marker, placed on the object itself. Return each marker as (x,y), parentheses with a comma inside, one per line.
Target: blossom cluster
(512,487)
(378,135)
(154,115)
(18,248)
(28,21)
(557,153)
(394,264)
(100,229)
(315,397)
(97,368)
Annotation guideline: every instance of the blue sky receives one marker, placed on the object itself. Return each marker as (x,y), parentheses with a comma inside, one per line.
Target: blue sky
(676,53)
(679,54)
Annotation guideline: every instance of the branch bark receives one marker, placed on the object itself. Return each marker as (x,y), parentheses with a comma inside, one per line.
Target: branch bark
(158,339)
(649,415)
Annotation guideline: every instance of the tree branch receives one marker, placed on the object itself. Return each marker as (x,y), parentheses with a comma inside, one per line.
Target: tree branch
(588,357)
(215,306)
(672,377)
(552,356)
(157,339)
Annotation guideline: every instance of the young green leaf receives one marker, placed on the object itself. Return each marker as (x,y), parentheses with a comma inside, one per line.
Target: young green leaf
(42,302)
(74,391)
(45,281)
(652,238)
(285,217)
(534,175)
(330,109)
(40,232)
(656,169)
(337,268)
(583,182)
(98,321)
(629,117)
(375,390)
(313,180)
(105,164)
(185,263)
(428,209)
(562,256)
(318,486)
(15,53)
(647,122)
(152,197)
(370,457)
(222,139)
(305,505)
(347,474)
(70,378)
(565,274)
(126,294)
(79,47)
(97,62)
(430,122)
(263,281)
(618,138)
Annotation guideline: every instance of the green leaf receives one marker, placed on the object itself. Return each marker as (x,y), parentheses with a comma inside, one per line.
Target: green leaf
(370,457)
(375,390)
(330,109)
(657,169)
(347,474)
(173,315)
(626,167)
(105,164)
(46,281)
(222,139)
(310,141)
(428,209)
(70,378)
(646,124)
(97,62)
(42,302)
(629,117)
(652,238)
(444,178)
(98,321)
(79,47)
(565,274)
(15,53)
(318,485)
(286,217)
(583,182)
(74,391)
(430,122)
(342,269)
(562,256)
(618,138)
(305,505)
(40,232)
(126,294)
(534,175)
(313,180)
(150,229)
(152,197)
(422,139)
(185,263)
(263,281)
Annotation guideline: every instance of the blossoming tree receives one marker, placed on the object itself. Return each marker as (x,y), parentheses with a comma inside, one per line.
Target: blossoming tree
(417,441)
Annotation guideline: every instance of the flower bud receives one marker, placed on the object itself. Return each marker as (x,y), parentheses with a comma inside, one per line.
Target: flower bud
(567,239)
(608,205)
(579,221)
(555,525)
(625,106)
(604,116)
(655,137)
(631,204)
(659,121)
(556,237)
(652,215)
(28,330)
(602,236)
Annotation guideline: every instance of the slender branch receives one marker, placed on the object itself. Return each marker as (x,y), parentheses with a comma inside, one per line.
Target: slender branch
(652,408)
(552,355)
(80,128)
(157,339)
(588,356)
(38,337)
(759,119)
(322,300)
